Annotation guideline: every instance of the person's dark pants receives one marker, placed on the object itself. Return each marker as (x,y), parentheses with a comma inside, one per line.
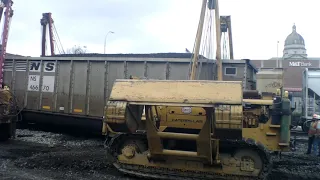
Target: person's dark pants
(316,146)
(310,142)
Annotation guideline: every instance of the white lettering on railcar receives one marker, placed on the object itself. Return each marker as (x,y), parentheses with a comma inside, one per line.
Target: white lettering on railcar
(47,83)
(34,83)
(35,66)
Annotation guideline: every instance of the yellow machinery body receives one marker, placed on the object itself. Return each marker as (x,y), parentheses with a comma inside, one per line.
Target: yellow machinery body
(8,114)
(193,129)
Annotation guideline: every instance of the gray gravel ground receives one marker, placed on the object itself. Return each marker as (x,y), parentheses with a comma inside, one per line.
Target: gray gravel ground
(41,155)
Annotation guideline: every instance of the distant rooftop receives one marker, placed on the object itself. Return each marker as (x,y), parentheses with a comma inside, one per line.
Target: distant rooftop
(12,56)
(308,58)
(151,55)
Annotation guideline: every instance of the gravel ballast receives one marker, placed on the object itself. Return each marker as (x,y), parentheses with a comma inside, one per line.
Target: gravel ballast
(52,156)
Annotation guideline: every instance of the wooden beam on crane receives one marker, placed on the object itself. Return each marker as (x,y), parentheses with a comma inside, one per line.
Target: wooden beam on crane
(198,41)
(218,41)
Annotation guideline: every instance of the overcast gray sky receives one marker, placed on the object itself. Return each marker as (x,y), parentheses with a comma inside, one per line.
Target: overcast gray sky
(151,26)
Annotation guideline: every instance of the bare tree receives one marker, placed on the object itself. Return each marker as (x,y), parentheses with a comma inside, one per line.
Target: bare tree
(77,50)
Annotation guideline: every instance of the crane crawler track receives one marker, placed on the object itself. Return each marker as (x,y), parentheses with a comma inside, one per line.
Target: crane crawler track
(166,173)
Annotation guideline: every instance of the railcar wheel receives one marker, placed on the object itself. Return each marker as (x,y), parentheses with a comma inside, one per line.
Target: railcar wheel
(305,126)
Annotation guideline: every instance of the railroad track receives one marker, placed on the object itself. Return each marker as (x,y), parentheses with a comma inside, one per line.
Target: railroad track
(299,136)
(298,133)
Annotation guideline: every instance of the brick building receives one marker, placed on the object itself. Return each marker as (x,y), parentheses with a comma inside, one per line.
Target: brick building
(293,61)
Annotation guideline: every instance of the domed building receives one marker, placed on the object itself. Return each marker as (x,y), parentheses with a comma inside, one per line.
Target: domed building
(293,63)
(294,46)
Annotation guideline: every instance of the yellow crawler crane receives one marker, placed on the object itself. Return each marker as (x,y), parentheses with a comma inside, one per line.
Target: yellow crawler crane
(194,129)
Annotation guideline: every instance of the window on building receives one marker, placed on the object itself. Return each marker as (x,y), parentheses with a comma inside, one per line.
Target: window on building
(230,71)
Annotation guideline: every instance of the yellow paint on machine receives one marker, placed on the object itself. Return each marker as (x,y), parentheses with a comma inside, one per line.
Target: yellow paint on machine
(77,110)
(46,107)
(177,91)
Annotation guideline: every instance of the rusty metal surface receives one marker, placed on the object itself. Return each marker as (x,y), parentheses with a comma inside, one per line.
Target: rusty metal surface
(179,91)
(269,80)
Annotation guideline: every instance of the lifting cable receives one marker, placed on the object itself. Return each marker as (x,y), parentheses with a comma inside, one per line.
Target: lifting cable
(207,42)
(58,44)
(56,40)
(225,49)
(207,45)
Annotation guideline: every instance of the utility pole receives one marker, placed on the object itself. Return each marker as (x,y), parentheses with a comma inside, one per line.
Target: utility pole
(277,54)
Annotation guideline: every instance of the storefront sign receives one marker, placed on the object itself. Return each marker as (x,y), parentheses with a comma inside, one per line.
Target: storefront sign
(300,64)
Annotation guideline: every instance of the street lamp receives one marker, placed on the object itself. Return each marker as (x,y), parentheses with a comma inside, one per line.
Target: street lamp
(277,54)
(105,39)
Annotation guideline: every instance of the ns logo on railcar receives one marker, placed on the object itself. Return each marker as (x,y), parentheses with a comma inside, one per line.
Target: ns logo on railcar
(44,82)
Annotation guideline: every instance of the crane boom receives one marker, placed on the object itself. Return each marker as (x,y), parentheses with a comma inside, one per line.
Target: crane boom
(198,41)
(8,15)
(218,41)
(212,4)
(9,111)
(230,37)
(225,22)
(47,21)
